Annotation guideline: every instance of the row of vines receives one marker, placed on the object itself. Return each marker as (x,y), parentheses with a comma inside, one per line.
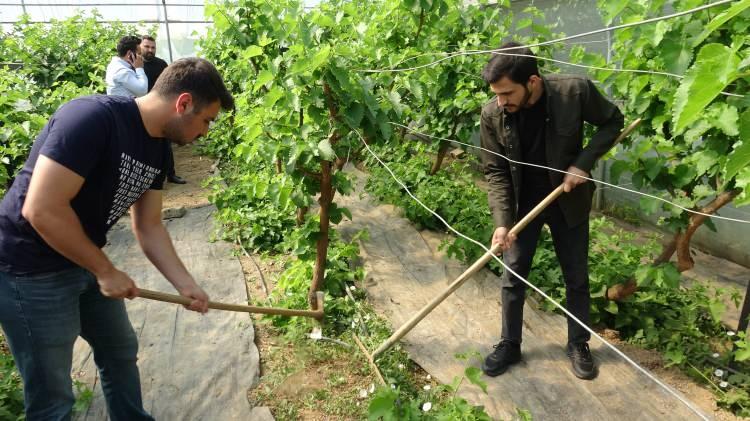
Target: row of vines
(313,88)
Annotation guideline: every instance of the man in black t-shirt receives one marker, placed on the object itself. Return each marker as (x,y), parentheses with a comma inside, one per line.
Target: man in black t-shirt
(96,157)
(153,66)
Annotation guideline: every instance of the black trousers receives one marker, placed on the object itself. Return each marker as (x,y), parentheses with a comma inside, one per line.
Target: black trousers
(571,247)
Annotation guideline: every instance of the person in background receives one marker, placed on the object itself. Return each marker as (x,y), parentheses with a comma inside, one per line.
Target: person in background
(154,66)
(125,75)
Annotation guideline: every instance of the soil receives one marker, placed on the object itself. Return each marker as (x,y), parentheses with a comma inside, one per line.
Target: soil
(195,169)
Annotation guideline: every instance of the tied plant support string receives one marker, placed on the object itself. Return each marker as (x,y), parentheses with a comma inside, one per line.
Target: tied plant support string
(563,39)
(666,387)
(725,218)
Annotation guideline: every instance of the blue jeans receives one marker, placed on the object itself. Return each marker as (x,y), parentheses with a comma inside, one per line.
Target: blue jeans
(42,315)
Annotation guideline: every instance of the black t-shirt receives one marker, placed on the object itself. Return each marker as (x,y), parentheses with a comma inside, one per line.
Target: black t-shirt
(153,69)
(535,180)
(102,139)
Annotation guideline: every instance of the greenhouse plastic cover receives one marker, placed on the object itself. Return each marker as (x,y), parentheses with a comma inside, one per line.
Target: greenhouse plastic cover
(187,20)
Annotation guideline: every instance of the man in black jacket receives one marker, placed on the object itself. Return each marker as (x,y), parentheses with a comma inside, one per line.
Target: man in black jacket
(539,120)
(153,66)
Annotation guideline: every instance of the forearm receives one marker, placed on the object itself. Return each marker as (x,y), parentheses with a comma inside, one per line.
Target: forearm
(61,229)
(158,248)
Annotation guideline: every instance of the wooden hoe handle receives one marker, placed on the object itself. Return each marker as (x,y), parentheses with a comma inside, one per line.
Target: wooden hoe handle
(179,299)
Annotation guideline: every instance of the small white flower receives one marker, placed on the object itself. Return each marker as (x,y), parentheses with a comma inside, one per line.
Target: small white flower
(353,324)
(429,377)
(427,387)
(372,387)
(393,386)
(289,294)
(352,288)
(723,385)
(316,334)
(362,393)
(719,372)
(715,355)
(427,406)
(730,333)
(400,366)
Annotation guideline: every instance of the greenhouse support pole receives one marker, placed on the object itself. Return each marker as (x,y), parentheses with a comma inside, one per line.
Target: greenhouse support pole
(23,6)
(169,36)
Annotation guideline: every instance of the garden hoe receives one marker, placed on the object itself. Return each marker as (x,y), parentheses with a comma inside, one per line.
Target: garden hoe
(178,299)
(409,325)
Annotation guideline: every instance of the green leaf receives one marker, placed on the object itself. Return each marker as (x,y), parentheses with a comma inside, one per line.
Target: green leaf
(353,114)
(272,96)
(616,170)
(675,356)
(611,9)
(670,275)
(416,89)
(252,51)
(320,57)
(739,158)
(382,405)
(653,167)
(644,275)
(721,19)
(343,79)
(263,77)
(742,181)
(726,118)
(346,212)
(717,309)
(714,69)
(742,354)
(676,53)
(326,151)
(385,128)
(474,375)
(612,308)
(395,99)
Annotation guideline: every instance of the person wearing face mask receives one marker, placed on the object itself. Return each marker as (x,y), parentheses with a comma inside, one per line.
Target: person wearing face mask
(125,75)
(153,66)
(97,157)
(539,120)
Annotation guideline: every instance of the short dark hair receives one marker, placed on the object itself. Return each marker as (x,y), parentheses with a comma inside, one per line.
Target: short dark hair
(127,43)
(148,37)
(199,78)
(517,68)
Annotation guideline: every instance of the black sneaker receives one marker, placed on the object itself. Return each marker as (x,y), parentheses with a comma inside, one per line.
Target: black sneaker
(506,353)
(582,361)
